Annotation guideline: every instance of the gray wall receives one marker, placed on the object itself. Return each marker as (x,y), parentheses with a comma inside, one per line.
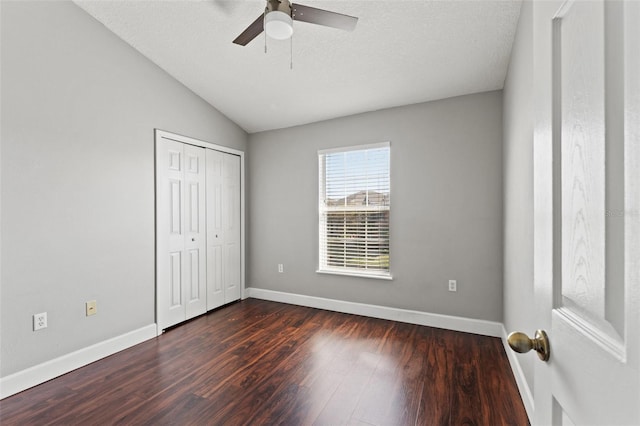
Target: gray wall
(78,111)
(446,217)
(518,187)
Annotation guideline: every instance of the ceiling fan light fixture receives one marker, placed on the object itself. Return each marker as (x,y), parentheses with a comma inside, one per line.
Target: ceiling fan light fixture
(278,25)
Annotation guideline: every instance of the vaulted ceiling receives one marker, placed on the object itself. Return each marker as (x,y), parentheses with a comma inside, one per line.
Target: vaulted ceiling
(401,52)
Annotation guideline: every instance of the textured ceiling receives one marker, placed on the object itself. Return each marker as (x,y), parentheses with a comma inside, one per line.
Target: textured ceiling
(401,52)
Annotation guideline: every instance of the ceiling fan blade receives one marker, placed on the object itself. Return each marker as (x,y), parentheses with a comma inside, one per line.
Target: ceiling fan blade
(251,32)
(323,17)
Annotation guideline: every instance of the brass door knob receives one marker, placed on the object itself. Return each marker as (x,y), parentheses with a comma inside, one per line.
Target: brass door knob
(521,343)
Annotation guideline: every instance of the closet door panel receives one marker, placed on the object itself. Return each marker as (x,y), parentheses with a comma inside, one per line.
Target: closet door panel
(170,232)
(194,266)
(215,233)
(231,225)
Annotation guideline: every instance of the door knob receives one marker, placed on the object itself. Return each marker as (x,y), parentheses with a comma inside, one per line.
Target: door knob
(521,343)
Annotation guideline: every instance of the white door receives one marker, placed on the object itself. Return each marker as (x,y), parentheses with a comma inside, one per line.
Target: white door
(223,228)
(587,210)
(195,231)
(215,233)
(231,227)
(180,266)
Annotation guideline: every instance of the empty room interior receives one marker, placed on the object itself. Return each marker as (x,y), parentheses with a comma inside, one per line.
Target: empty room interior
(335,212)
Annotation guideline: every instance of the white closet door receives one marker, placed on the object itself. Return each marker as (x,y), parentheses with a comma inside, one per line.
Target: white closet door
(195,290)
(231,227)
(180,268)
(215,287)
(223,228)
(169,232)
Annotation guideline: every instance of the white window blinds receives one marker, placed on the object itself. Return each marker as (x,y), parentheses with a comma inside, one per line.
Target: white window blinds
(354,206)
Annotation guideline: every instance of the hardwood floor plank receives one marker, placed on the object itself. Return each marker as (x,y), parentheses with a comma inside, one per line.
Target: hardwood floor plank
(410,379)
(386,398)
(466,407)
(495,387)
(257,362)
(435,402)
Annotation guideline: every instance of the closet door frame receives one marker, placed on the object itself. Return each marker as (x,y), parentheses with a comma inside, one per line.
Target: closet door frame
(162,134)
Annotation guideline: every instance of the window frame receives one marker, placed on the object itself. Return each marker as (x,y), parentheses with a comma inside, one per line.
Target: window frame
(323,268)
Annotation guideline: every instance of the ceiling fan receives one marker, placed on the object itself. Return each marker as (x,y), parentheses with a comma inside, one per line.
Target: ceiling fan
(278,17)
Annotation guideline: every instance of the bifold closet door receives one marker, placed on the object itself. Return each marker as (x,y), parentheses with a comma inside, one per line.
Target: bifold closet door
(180,232)
(215,289)
(231,226)
(223,228)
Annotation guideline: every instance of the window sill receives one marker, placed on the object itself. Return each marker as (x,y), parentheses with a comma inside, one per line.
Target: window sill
(355,274)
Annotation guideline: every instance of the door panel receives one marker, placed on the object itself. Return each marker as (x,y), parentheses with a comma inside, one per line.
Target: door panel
(223,228)
(193,192)
(194,282)
(591,154)
(231,226)
(215,233)
(170,236)
(175,280)
(175,209)
(587,233)
(231,276)
(214,276)
(581,81)
(195,235)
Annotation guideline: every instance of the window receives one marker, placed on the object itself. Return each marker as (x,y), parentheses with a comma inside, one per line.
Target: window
(354,202)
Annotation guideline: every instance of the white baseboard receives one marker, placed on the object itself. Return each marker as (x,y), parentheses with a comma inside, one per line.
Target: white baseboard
(38,374)
(486,328)
(521,380)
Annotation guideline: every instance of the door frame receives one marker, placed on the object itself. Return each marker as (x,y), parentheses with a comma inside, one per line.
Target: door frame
(163,134)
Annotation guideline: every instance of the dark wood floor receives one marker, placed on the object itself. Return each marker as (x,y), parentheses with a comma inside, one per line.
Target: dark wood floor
(258,362)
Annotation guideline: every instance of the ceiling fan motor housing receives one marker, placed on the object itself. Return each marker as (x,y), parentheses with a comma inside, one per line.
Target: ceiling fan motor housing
(278,20)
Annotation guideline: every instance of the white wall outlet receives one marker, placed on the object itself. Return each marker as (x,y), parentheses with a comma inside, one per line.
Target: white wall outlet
(453,285)
(92,307)
(39,321)
(280,267)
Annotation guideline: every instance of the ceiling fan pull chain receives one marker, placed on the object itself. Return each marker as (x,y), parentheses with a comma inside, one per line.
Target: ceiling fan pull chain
(265,34)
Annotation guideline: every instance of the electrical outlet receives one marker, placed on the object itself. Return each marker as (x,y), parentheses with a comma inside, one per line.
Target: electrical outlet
(280,267)
(453,285)
(39,321)
(92,307)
